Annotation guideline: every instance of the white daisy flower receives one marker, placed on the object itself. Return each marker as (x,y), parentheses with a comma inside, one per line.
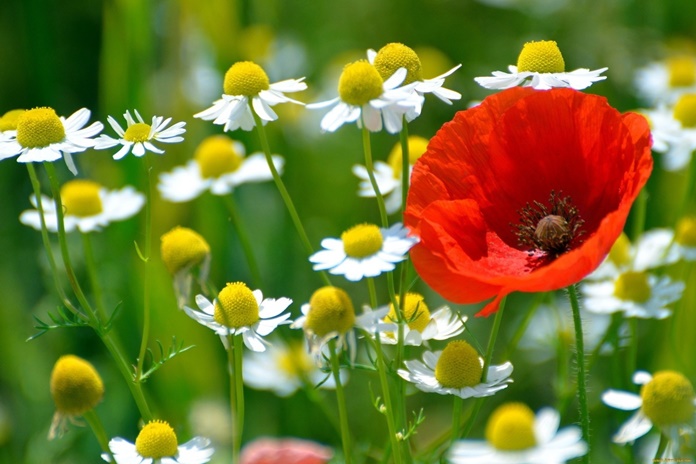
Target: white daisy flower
(139,135)
(87,207)
(364,250)
(666,81)
(246,81)
(540,65)
(674,131)
(182,249)
(366,98)
(157,444)
(41,135)
(666,400)
(239,311)
(456,370)
(684,243)
(515,436)
(8,126)
(388,175)
(218,165)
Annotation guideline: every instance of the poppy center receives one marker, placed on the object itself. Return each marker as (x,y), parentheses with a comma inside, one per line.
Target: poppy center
(236,306)
(182,248)
(416,147)
(543,56)
(216,156)
(359,83)
(459,366)
(511,427)
(632,286)
(668,399)
(686,232)
(294,360)
(75,386)
(138,132)
(245,78)
(362,240)
(9,120)
(330,310)
(416,312)
(682,71)
(685,110)
(156,440)
(81,198)
(39,127)
(397,55)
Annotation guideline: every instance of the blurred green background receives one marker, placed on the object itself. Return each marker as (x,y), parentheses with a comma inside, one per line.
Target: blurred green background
(167,58)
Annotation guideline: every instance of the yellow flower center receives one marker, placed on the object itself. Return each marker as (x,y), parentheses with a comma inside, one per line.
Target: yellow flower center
(416,147)
(632,286)
(362,240)
(415,311)
(620,253)
(459,366)
(511,427)
(236,306)
(682,71)
(138,132)
(182,248)
(295,361)
(668,399)
(330,310)
(39,127)
(9,120)
(81,198)
(216,156)
(156,440)
(685,110)
(245,78)
(686,232)
(359,83)
(75,386)
(394,56)
(541,57)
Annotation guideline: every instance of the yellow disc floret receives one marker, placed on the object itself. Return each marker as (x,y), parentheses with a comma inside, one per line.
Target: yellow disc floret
(686,232)
(632,286)
(459,366)
(330,310)
(75,386)
(620,253)
(9,120)
(394,56)
(668,399)
(216,156)
(39,127)
(359,83)
(416,147)
(81,198)
(182,248)
(138,132)
(511,427)
(236,306)
(362,240)
(156,440)
(416,312)
(685,110)
(682,71)
(543,56)
(245,78)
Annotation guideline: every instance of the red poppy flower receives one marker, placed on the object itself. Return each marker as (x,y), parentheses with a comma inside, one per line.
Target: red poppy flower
(525,192)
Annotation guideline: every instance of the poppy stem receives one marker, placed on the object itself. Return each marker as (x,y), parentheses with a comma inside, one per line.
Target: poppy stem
(581,375)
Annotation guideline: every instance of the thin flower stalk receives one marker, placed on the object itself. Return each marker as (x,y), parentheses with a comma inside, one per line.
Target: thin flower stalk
(367,149)
(98,429)
(581,374)
(145,257)
(341,400)
(244,240)
(234,365)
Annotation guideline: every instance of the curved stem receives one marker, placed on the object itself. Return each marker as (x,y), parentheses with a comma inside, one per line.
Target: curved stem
(98,429)
(239,388)
(661,447)
(367,149)
(145,257)
(581,375)
(243,240)
(341,400)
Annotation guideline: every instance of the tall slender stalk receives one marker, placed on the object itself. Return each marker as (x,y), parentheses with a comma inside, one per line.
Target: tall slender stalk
(367,149)
(234,358)
(341,400)
(581,374)
(98,429)
(145,257)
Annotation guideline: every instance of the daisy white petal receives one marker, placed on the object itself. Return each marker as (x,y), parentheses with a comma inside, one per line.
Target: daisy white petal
(138,136)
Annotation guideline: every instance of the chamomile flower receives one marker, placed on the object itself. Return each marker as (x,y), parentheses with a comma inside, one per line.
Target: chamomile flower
(665,81)
(41,135)
(182,249)
(138,136)
(456,370)
(246,82)
(684,244)
(364,250)
(157,443)
(666,401)
(365,97)
(420,325)
(8,125)
(388,175)
(540,65)
(218,165)
(514,435)
(239,311)
(674,131)
(87,207)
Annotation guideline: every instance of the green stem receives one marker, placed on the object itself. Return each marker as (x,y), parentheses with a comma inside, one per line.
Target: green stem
(661,447)
(234,401)
(341,400)
(98,429)
(639,213)
(405,163)
(244,240)
(522,328)
(239,387)
(581,375)
(371,174)
(145,257)
(90,264)
(456,417)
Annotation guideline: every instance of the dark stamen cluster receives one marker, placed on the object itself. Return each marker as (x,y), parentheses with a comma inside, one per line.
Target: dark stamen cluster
(549,229)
